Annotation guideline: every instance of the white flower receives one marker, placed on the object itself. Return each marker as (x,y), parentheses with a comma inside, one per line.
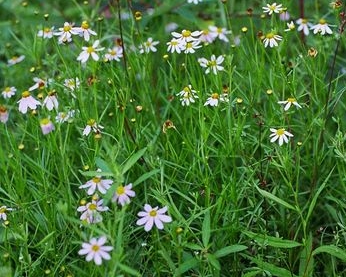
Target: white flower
(114,54)
(272,8)
(46,33)
(271,40)
(284,16)
(189,47)
(322,28)
(40,83)
(72,84)
(91,211)
(46,126)
(280,134)
(187,35)
(207,36)
(153,215)
(84,31)
(97,183)
(122,194)
(187,95)
(27,101)
(175,45)
(3,210)
(148,46)
(92,126)
(8,92)
(90,51)
(3,114)
(214,64)
(215,98)
(96,250)
(303,25)
(194,1)
(170,27)
(65,33)
(220,32)
(15,60)
(289,102)
(290,26)
(63,117)
(51,101)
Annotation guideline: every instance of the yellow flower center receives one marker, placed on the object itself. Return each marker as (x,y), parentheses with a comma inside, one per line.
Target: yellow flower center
(291,100)
(322,21)
(280,132)
(304,21)
(95,248)
(96,180)
(91,122)
(219,30)
(186,89)
(152,213)
(205,32)
(215,96)
(85,25)
(113,53)
(46,30)
(120,190)
(211,63)
(270,36)
(186,33)
(67,28)
(2,110)
(25,94)
(2,210)
(272,7)
(92,207)
(45,121)
(7,89)
(90,49)
(188,45)
(147,43)
(174,43)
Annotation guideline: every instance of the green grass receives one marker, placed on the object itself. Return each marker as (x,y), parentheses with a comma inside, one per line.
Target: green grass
(240,204)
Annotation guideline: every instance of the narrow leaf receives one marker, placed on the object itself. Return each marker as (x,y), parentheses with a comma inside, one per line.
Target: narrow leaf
(213,261)
(206,229)
(189,264)
(306,261)
(273,269)
(129,270)
(275,199)
(229,250)
(332,250)
(271,241)
(132,160)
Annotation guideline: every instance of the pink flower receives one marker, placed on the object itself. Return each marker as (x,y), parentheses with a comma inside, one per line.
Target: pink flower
(151,216)
(27,101)
(97,183)
(96,250)
(123,194)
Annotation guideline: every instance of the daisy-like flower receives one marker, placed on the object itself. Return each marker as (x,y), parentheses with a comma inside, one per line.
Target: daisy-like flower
(186,35)
(40,83)
(271,39)
(220,32)
(170,27)
(153,215)
(175,45)
(272,8)
(27,101)
(84,31)
(280,134)
(187,95)
(8,92)
(92,126)
(91,210)
(207,36)
(114,54)
(122,194)
(303,25)
(321,28)
(148,46)
(215,98)
(290,26)
(46,33)
(189,47)
(284,16)
(64,117)
(72,84)
(90,51)
(47,126)
(65,33)
(194,1)
(3,210)
(97,183)
(96,250)
(51,101)
(3,114)
(289,102)
(15,59)
(213,65)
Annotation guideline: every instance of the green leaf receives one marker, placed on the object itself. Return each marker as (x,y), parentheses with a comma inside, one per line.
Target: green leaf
(129,270)
(275,199)
(132,160)
(253,273)
(271,241)
(101,164)
(193,246)
(5,271)
(45,239)
(213,261)
(332,250)
(306,261)
(273,269)
(95,173)
(206,229)
(229,250)
(146,176)
(189,264)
